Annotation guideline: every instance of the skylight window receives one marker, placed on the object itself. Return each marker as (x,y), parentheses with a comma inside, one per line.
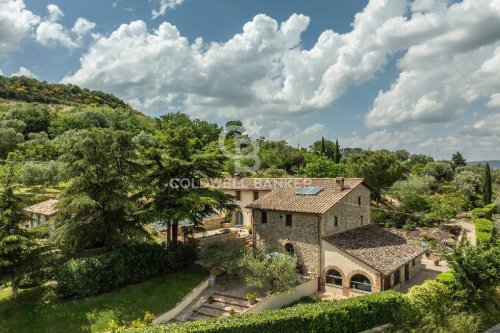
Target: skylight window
(309,190)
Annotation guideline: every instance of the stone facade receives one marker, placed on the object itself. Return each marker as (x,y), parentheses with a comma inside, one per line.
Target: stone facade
(348,212)
(302,235)
(246,198)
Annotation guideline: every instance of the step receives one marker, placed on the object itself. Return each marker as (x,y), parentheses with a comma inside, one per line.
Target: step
(222,303)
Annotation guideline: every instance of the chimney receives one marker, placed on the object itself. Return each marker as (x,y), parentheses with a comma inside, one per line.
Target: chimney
(339,184)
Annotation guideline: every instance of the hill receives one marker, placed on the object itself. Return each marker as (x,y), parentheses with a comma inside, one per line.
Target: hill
(22,88)
(493,163)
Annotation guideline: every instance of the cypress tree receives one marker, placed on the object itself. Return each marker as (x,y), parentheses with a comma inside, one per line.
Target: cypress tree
(323,146)
(337,156)
(487,185)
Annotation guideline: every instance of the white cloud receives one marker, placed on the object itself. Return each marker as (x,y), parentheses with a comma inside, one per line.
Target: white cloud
(450,59)
(262,70)
(452,67)
(54,12)
(16,23)
(166,5)
(23,71)
(52,33)
(83,26)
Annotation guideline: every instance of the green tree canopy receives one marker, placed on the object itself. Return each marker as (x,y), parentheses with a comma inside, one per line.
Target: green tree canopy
(379,168)
(488,191)
(96,209)
(458,160)
(175,165)
(441,170)
(21,255)
(322,167)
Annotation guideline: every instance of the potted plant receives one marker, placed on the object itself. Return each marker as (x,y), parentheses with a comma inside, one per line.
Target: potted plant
(232,312)
(210,299)
(436,261)
(223,286)
(251,297)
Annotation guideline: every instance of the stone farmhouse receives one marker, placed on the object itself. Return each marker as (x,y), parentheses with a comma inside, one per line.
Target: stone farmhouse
(42,212)
(325,223)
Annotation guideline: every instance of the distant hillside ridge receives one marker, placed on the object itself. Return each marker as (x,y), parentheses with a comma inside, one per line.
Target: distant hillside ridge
(492,163)
(22,88)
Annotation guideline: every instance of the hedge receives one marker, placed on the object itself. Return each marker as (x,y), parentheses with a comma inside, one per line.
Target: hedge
(349,315)
(445,278)
(94,275)
(483,237)
(483,225)
(486,212)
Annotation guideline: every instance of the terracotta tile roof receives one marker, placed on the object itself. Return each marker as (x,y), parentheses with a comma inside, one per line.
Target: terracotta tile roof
(287,199)
(383,249)
(45,208)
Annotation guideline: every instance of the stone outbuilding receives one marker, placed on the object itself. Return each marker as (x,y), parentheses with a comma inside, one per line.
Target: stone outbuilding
(368,259)
(42,212)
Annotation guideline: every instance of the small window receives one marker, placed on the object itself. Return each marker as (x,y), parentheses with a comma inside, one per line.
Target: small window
(238,195)
(289,249)
(361,219)
(413,262)
(255,195)
(333,277)
(288,220)
(264,217)
(360,282)
(359,201)
(336,221)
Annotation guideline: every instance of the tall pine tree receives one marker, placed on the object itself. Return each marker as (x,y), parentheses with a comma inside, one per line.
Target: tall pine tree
(175,165)
(96,209)
(488,192)
(21,254)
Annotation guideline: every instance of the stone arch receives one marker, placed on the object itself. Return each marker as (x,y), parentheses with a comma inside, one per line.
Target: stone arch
(365,274)
(327,268)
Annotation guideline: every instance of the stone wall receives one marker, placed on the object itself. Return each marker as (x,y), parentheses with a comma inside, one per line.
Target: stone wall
(204,242)
(302,234)
(348,212)
(214,223)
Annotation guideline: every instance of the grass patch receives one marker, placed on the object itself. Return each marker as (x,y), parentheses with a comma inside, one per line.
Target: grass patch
(37,310)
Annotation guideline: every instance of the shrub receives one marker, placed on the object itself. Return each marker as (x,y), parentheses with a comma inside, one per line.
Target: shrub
(378,215)
(89,276)
(350,315)
(483,237)
(484,225)
(486,212)
(445,278)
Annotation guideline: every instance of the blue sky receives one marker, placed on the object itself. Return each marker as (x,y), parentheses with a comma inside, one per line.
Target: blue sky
(418,75)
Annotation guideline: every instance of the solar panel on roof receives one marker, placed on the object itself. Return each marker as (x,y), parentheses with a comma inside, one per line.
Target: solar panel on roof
(309,190)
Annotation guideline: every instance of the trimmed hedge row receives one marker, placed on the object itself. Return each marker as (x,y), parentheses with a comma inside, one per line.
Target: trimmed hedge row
(484,227)
(94,275)
(485,212)
(349,315)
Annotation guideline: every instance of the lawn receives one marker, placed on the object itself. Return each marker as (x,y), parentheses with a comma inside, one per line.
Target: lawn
(38,310)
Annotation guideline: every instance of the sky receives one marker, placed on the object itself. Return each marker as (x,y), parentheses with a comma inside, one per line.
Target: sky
(420,75)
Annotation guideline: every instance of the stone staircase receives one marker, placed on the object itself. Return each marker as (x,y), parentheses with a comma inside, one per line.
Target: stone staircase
(222,305)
